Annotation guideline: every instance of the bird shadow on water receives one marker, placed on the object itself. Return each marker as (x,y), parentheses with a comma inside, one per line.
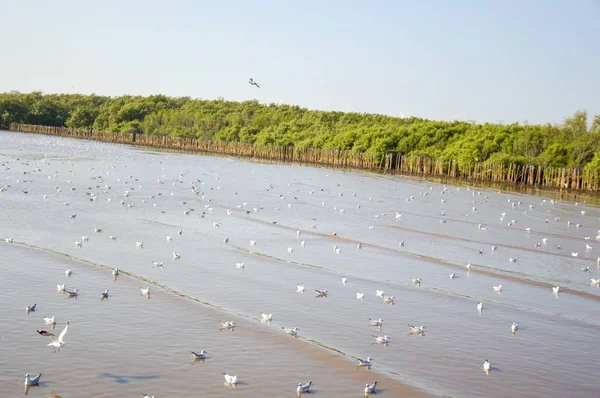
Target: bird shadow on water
(126,379)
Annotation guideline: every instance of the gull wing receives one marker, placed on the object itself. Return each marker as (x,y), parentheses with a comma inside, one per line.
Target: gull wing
(62,334)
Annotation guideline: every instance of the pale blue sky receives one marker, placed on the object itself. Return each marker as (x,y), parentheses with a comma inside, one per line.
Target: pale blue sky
(505,60)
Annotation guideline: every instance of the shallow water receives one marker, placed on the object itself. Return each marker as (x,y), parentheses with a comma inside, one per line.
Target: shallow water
(552,354)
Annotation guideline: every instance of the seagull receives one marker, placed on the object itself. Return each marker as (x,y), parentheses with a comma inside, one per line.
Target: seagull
(360,296)
(497,289)
(50,321)
(228,325)
(232,380)
(512,259)
(30,308)
(376,322)
(112,237)
(452,275)
(303,388)
(556,290)
(115,273)
(176,256)
(574,254)
(77,243)
(61,288)
(379,293)
(344,280)
(365,362)
(147,396)
(145,291)
(266,317)
(199,355)
(253,83)
(416,281)
(139,244)
(32,381)
(291,332)
(371,388)
(253,243)
(239,265)
(68,273)
(303,243)
(416,330)
(59,342)
(514,327)
(72,293)
(104,295)
(321,293)
(595,281)
(389,300)
(157,264)
(487,367)
(480,307)
(299,288)
(169,238)
(381,339)
(290,249)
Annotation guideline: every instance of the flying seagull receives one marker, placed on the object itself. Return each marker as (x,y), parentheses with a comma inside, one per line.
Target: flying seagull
(253,83)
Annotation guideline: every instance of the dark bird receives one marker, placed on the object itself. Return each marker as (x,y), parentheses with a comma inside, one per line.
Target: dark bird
(253,83)
(44,333)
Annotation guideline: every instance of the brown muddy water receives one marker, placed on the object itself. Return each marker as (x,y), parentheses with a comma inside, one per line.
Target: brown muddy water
(130,345)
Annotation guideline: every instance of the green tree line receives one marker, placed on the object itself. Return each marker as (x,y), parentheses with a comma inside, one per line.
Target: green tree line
(574,143)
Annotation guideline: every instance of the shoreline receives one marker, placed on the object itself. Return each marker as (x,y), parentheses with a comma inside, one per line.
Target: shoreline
(569,184)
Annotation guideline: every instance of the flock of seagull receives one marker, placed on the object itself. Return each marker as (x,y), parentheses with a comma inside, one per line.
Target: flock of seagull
(58,342)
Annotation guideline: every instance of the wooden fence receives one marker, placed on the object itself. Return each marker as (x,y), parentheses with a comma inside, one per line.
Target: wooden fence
(482,172)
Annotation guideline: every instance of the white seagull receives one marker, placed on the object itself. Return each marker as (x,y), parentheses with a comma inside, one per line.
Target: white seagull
(480,307)
(360,296)
(50,321)
(231,380)
(303,388)
(61,288)
(344,280)
(32,381)
(381,339)
(145,291)
(228,325)
(389,300)
(68,273)
(199,355)
(379,293)
(176,256)
(321,293)
(555,290)
(57,343)
(365,362)
(299,288)
(376,322)
(291,332)
(30,308)
(104,295)
(487,367)
(416,330)
(497,289)
(266,317)
(514,327)
(371,388)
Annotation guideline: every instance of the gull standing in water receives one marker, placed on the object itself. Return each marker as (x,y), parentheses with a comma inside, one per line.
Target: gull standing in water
(115,274)
(266,317)
(344,280)
(487,367)
(514,327)
(480,307)
(555,290)
(145,291)
(303,388)
(104,295)
(291,332)
(365,363)
(370,388)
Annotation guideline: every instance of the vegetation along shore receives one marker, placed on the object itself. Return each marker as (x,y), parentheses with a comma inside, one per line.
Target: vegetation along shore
(565,156)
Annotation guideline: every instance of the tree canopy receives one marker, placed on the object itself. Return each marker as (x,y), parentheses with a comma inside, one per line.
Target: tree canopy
(570,144)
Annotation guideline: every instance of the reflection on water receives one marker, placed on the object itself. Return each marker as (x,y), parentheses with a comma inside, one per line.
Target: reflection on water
(126,379)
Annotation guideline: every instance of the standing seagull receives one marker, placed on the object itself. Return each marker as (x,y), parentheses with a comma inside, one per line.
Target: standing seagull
(514,327)
(253,83)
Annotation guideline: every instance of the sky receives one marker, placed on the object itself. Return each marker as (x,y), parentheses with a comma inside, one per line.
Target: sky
(491,61)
